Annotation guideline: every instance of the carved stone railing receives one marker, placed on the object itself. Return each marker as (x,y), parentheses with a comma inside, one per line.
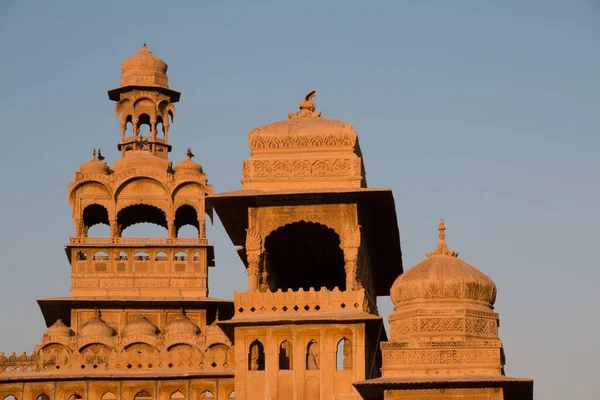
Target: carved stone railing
(299,302)
(107,241)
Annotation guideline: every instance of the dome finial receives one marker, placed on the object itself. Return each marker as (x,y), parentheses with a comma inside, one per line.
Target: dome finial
(442,247)
(217,316)
(307,107)
(189,152)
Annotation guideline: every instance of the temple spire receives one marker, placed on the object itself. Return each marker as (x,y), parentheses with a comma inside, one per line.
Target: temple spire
(442,247)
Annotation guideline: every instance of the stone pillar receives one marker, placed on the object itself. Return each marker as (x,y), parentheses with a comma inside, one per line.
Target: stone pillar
(172,230)
(115,228)
(350,260)
(153,129)
(253,270)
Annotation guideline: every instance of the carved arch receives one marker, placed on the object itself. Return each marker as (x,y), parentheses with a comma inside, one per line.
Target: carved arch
(104,182)
(108,396)
(132,175)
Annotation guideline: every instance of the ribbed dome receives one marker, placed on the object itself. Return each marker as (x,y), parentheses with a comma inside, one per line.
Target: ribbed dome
(214,334)
(144,68)
(96,327)
(443,276)
(188,165)
(139,326)
(181,325)
(59,329)
(95,165)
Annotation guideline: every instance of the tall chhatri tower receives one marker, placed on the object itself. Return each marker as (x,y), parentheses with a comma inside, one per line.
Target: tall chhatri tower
(139,323)
(319,247)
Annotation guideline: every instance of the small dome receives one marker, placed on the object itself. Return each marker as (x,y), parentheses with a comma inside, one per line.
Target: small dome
(139,326)
(96,327)
(144,68)
(188,165)
(96,165)
(443,276)
(59,329)
(181,325)
(214,334)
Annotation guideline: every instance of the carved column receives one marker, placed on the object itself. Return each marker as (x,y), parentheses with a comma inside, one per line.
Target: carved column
(253,255)
(351,244)
(123,129)
(115,228)
(172,230)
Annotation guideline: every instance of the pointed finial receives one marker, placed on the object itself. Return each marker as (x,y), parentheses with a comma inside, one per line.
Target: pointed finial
(96,312)
(217,316)
(100,156)
(182,311)
(442,247)
(94,152)
(307,107)
(189,152)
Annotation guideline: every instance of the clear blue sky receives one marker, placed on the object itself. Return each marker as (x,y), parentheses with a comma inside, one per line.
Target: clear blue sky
(484,113)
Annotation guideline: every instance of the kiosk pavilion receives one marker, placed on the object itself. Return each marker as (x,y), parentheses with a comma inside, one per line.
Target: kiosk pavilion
(318,245)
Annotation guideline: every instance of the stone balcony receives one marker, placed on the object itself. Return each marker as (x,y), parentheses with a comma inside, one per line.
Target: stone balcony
(312,303)
(109,241)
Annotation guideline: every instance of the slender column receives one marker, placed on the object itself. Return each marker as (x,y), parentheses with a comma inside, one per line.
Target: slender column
(172,230)
(253,270)
(115,228)
(350,259)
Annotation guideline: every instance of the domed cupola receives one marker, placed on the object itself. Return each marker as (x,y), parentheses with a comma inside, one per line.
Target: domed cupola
(144,68)
(96,165)
(95,326)
(214,334)
(188,166)
(140,326)
(443,277)
(181,325)
(58,329)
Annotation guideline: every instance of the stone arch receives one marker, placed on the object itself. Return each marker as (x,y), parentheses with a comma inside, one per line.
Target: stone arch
(144,119)
(94,214)
(42,396)
(231,395)
(10,397)
(96,352)
(149,178)
(142,395)
(177,395)
(186,215)
(75,396)
(108,396)
(286,360)
(103,186)
(141,213)
(256,356)
(344,355)
(53,353)
(313,356)
(217,356)
(139,352)
(303,255)
(182,351)
(207,394)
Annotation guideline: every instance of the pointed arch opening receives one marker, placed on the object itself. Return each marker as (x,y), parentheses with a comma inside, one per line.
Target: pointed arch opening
(43,396)
(313,356)
(344,355)
(186,222)
(177,395)
(143,125)
(302,255)
(256,356)
(75,396)
(142,395)
(207,394)
(231,394)
(285,355)
(108,396)
(10,397)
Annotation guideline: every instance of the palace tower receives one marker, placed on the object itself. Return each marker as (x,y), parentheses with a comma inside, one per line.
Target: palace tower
(318,246)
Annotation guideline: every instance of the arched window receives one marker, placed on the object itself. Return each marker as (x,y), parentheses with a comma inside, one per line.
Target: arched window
(180,256)
(256,356)
(232,394)
(10,397)
(144,125)
(96,216)
(141,256)
(344,355)
(81,255)
(137,221)
(143,395)
(285,355)
(207,394)
(100,256)
(75,396)
(161,256)
(108,396)
(186,222)
(304,255)
(43,396)
(177,395)
(313,356)
(122,256)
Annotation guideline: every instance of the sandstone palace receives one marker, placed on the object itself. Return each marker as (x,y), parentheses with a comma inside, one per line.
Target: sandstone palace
(318,246)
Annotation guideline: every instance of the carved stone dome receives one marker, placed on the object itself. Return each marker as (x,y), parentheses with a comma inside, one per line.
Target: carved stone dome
(59,329)
(139,326)
(95,165)
(96,327)
(144,68)
(214,334)
(181,325)
(188,165)
(443,277)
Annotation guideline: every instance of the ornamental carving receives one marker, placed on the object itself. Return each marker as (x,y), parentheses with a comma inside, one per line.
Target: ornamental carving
(319,168)
(261,142)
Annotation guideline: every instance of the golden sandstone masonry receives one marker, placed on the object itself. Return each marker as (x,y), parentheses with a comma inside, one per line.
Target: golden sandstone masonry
(318,245)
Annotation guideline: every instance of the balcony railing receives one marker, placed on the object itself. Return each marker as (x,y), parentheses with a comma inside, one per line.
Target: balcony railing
(104,241)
